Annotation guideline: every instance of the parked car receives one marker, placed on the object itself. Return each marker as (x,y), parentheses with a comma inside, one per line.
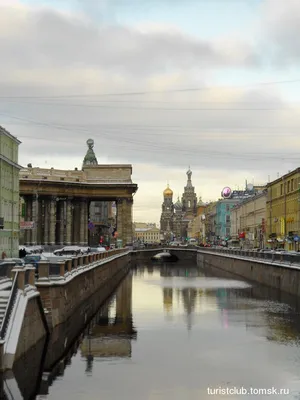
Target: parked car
(19,261)
(98,249)
(69,251)
(34,259)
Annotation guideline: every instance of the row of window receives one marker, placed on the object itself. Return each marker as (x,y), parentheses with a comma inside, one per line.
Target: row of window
(288,186)
(9,211)
(9,151)
(9,177)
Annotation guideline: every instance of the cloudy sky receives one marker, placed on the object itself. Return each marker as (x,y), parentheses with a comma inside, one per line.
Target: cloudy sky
(159,84)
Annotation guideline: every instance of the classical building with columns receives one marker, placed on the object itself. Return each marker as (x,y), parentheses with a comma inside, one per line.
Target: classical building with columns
(59,203)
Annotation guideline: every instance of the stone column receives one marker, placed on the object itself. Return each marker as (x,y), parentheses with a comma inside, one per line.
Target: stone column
(28,217)
(85,227)
(83,221)
(69,222)
(52,217)
(120,217)
(128,221)
(46,221)
(34,215)
(62,222)
(124,220)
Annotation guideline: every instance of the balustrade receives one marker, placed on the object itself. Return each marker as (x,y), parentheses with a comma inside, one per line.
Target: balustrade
(62,268)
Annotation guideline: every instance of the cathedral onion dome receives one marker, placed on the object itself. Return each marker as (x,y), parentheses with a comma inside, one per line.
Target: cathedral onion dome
(168,192)
(178,204)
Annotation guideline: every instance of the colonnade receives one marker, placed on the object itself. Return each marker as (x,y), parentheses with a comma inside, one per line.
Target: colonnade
(64,220)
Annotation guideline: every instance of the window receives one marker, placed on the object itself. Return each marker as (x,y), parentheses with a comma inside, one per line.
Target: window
(288,188)
(292,185)
(227,218)
(227,207)
(281,189)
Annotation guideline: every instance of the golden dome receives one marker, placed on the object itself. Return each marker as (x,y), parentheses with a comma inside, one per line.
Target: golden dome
(168,191)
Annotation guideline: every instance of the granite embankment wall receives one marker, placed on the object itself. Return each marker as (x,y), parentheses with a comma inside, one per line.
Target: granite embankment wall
(61,290)
(282,276)
(63,297)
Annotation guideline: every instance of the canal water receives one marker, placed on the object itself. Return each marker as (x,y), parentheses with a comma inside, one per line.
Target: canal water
(175,332)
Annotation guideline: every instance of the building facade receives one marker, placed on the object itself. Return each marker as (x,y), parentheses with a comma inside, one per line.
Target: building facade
(9,195)
(248,221)
(196,228)
(219,214)
(175,218)
(283,211)
(58,202)
(149,233)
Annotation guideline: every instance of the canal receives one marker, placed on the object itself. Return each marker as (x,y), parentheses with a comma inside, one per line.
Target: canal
(170,333)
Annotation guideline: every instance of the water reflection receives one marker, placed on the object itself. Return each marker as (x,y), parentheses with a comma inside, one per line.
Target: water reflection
(170,332)
(109,337)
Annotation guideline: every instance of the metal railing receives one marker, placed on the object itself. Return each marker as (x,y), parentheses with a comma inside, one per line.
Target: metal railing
(262,255)
(9,307)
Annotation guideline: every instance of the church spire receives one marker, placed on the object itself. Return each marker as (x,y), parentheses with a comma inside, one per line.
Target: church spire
(189,177)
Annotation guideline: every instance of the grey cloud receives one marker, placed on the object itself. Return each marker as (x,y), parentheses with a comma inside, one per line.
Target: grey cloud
(51,39)
(280,31)
(132,129)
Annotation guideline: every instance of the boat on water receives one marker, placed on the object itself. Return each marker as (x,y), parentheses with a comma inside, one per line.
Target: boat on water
(164,256)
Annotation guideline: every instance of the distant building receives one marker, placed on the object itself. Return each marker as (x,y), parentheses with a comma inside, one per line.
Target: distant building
(144,225)
(218,214)
(175,218)
(9,195)
(102,214)
(248,221)
(149,233)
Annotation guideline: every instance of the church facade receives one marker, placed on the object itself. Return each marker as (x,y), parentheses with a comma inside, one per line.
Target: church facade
(175,217)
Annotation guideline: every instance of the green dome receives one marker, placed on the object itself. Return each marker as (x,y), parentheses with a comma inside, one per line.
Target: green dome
(90,157)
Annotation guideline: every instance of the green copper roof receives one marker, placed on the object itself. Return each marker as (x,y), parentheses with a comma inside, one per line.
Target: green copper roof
(90,157)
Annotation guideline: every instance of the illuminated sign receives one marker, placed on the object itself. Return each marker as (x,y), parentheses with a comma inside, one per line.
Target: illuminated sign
(226,192)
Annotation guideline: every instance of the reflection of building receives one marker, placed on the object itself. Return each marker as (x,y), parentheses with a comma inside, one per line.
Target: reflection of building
(9,195)
(168,299)
(112,337)
(175,218)
(189,297)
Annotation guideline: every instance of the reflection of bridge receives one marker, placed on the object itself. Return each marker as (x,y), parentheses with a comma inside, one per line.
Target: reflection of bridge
(111,337)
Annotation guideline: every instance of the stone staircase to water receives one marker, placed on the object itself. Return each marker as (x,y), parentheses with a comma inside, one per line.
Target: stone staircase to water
(4,297)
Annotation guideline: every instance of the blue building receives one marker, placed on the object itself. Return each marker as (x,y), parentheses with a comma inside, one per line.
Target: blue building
(222,218)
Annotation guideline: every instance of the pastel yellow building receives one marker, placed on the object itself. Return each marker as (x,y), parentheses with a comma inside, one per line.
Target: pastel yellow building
(146,233)
(248,221)
(283,211)
(196,226)
(210,216)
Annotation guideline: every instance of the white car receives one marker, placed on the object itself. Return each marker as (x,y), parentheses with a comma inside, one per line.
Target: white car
(98,249)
